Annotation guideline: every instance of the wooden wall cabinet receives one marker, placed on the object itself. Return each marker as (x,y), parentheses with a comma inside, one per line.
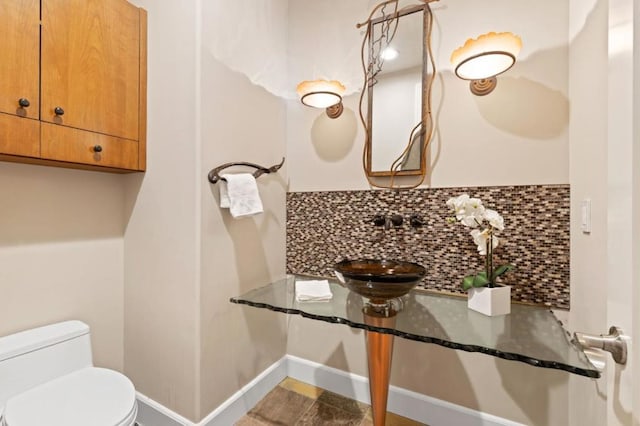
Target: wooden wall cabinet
(73,83)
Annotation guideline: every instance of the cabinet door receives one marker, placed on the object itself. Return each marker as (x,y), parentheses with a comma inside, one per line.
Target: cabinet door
(91,65)
(19,136)
(62,143)
(19,56)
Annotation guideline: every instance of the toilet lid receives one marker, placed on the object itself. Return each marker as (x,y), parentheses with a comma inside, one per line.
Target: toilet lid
(90,396)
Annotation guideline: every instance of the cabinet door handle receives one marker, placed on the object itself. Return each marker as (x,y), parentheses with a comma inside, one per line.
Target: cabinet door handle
(58,111)
(24,102)
(97,148)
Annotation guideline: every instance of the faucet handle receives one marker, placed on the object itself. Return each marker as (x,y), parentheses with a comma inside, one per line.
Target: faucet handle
(415,221)
(379,220)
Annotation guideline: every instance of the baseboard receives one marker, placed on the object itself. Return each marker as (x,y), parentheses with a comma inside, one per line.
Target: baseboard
(246,398)
(412,405)
(151,413)
(337,381)
(415,406)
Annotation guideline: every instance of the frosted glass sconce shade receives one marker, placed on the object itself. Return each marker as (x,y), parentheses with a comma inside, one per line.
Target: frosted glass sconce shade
(483,58)
(322,94)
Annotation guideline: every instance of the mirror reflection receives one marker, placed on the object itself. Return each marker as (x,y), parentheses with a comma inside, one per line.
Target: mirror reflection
(395,55)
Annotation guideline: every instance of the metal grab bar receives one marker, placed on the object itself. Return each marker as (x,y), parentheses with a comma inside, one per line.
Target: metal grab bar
(214,174)
(615,342)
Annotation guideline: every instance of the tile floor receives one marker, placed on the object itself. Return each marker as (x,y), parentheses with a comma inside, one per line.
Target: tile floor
(294,403)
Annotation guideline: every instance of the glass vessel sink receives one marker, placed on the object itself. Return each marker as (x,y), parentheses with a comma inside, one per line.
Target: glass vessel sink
(379,280)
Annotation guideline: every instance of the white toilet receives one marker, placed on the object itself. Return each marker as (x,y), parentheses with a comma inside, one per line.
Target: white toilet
(47,378)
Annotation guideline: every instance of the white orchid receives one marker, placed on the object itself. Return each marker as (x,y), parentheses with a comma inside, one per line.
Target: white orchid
(481,237)
(472,214)
(494,219)
(469,211)
(457,204)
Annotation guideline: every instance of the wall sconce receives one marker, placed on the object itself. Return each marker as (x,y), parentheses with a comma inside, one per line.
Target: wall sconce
(482,59)
(322,94)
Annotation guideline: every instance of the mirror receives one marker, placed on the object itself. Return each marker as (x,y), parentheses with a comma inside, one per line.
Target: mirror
(395,57)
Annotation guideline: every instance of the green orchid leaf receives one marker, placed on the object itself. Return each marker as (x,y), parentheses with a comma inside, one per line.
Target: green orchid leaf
(480,280)
(467,282)
(502,269)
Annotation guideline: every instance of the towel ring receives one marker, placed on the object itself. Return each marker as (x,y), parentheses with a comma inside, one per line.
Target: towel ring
(214,174)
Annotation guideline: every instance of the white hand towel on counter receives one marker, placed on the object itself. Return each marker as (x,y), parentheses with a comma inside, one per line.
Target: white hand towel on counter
(242,191)
(313,291)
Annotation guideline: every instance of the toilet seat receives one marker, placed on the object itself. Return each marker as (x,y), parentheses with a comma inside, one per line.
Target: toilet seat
(90,396)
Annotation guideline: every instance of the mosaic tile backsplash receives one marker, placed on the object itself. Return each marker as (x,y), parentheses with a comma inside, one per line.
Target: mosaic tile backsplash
(326,227)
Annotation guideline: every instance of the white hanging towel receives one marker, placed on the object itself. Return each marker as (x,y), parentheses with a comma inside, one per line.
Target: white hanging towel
(224,194)
(313,291)
(243,197)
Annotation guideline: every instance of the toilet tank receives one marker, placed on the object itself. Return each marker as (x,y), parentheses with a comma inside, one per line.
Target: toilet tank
(35,356)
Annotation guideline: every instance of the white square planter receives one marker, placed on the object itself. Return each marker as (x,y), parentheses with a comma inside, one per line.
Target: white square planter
(490,301)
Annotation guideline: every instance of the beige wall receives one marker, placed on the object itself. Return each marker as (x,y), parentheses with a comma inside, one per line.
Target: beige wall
(635,283)
(522,130)
(588,171)
(505,388)
(239,122)
(61,253)
(162,290)
(161,343)
(149,260)
(186,346)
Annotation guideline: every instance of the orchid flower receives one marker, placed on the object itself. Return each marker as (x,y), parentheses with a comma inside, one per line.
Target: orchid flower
(481,237)
(472,214)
